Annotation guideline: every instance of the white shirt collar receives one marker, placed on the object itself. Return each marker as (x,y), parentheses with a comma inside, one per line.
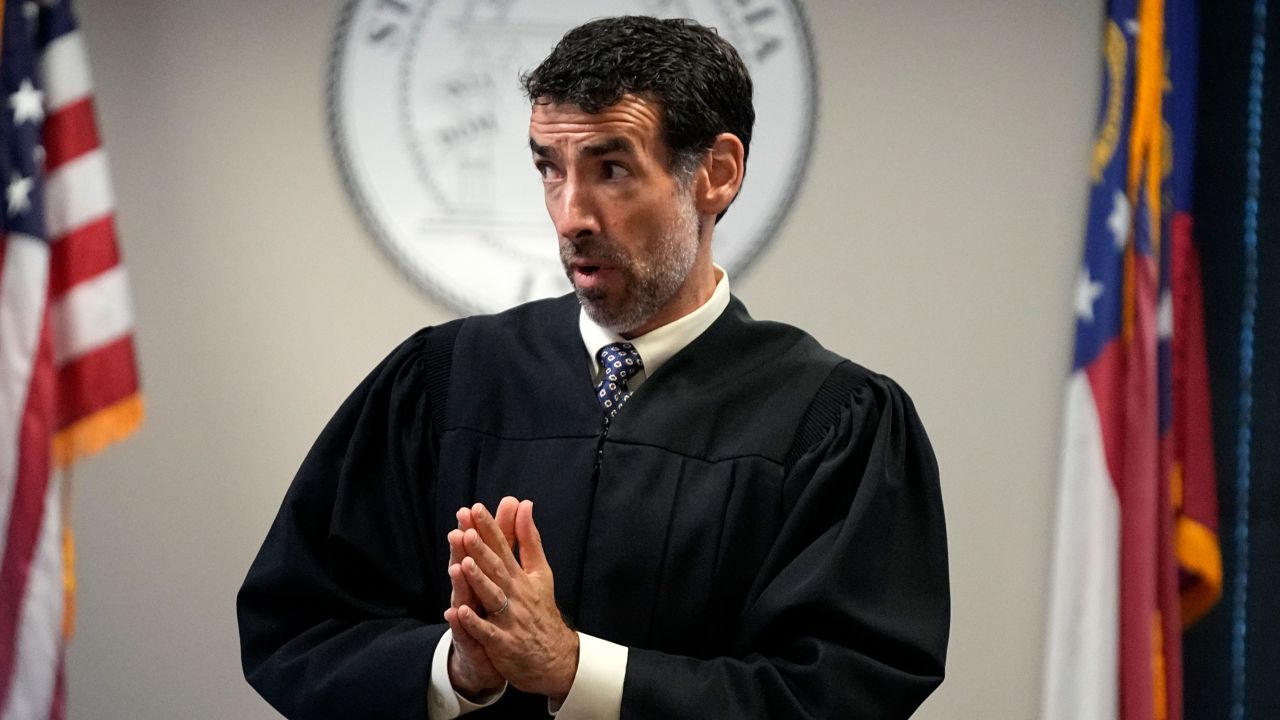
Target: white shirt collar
(658,345)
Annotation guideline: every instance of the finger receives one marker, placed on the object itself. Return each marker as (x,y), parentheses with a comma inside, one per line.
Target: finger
(506,516)
(532,556)
(461,637)
(492,535)
(492,598)
(483,631)
(456,551)
(486,558)
(461,594)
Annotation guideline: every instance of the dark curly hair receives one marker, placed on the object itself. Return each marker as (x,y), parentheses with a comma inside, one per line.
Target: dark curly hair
(697,78)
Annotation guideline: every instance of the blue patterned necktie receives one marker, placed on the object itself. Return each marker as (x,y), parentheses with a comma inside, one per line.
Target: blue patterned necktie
(620,362)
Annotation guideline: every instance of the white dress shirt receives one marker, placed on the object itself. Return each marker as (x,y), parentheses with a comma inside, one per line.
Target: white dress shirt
(596,693)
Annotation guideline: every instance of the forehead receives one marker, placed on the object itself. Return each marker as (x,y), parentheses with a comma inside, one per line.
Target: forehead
(633,118)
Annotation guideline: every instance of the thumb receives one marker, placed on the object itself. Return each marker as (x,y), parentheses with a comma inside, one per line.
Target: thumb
(531,555)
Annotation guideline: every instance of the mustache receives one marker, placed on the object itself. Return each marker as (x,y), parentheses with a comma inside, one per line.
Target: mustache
(595,247)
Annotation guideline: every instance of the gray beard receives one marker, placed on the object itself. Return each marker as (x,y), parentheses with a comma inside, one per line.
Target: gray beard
(650,282)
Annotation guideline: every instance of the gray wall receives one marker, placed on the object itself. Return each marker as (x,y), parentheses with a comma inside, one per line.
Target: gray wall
(942,216)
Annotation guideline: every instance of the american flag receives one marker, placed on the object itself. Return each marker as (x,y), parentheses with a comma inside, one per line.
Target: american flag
(1136,555)
(68,383)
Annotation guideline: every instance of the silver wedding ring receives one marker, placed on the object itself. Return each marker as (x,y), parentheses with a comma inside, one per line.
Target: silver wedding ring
(505,603)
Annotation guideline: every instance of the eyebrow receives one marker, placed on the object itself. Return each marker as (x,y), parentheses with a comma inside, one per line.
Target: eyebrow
(541,150)
(611,145)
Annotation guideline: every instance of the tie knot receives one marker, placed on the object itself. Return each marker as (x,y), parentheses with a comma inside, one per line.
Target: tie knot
(619,361)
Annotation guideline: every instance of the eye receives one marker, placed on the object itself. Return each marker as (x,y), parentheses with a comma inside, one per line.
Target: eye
(615,171)
(547,170)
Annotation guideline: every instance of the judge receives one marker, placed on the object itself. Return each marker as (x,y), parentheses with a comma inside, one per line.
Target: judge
(634,501)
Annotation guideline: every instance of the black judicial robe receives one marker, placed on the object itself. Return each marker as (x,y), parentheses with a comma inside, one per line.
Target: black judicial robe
(761,525)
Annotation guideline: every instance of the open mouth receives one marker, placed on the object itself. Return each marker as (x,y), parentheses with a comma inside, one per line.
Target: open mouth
(588,275)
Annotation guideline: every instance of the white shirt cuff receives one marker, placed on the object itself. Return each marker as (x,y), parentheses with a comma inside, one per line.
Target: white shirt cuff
(443,703)
(596,693)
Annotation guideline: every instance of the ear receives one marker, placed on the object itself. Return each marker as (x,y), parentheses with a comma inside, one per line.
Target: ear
(720,176)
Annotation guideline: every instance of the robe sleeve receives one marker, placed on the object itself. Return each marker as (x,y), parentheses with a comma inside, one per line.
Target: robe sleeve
(849,615)
(338,614)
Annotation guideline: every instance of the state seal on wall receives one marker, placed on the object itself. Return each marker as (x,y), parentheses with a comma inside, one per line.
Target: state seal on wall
(430,131)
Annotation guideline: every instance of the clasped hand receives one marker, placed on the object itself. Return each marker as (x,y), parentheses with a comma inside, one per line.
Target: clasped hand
(503,614)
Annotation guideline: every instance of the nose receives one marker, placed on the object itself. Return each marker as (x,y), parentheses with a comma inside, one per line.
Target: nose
(573,210)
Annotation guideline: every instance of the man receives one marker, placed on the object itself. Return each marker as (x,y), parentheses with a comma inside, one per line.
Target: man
(731,521)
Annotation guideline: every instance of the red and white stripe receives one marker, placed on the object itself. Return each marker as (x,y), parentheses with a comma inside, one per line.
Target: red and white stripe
(66,353)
